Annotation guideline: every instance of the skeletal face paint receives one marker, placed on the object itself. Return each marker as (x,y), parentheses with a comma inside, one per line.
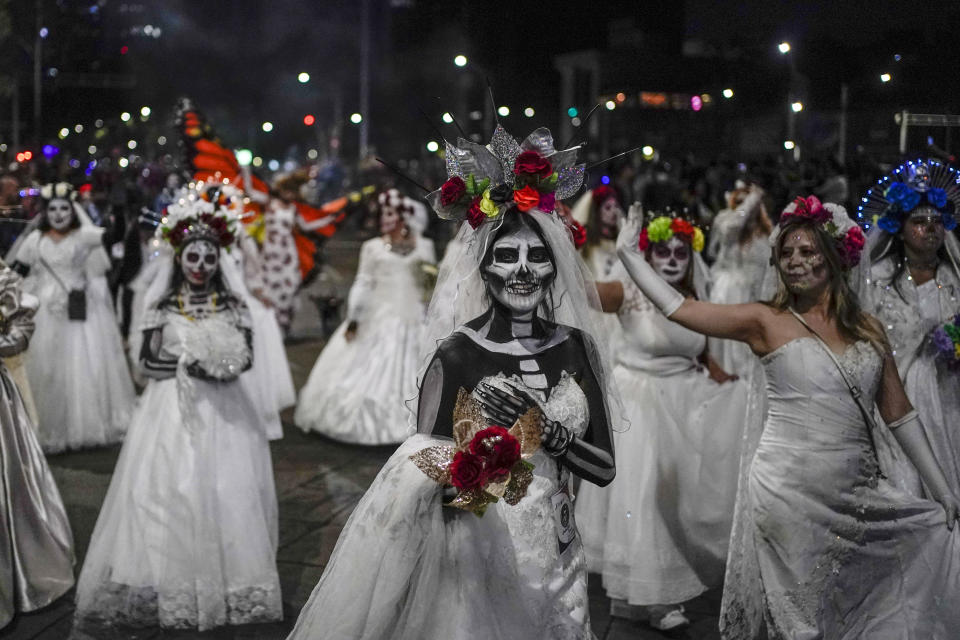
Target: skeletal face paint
(60,214)
(390,220)
(923,231)
(521,270)
(671,259)
(610,214)
(199,261)
(802,265)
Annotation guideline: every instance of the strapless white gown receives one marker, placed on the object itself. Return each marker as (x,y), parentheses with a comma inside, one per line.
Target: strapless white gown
(821,548)
(407,568)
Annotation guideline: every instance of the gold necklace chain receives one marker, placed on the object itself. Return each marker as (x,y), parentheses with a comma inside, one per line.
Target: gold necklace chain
(183,311)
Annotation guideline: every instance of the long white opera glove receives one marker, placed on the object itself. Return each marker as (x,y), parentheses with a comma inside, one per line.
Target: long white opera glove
(660,293)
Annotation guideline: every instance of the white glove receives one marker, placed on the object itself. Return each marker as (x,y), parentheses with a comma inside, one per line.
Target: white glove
(660,293)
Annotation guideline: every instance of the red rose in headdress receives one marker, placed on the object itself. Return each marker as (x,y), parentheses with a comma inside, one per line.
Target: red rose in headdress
(682,228)
(475,215)
(532,163)
(603,193)
(526,198)
(644,242)
(452,190)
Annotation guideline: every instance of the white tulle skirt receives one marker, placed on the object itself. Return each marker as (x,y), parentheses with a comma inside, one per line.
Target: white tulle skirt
(659,533)
(187,535)
(79,373)
(408,568)
(364,391)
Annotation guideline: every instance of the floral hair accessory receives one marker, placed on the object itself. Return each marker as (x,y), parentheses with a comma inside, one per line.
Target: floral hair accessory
(833,219)
(603,193)
(194,217)
(57,190)
(486,180)
(917,186)
(662,228)
(486,462)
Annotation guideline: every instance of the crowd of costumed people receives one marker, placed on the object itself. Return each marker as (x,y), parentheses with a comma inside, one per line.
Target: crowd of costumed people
(760,400)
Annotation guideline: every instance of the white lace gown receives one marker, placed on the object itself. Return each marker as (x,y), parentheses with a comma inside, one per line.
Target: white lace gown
(737,276)
(407,568)
(187,535)
(359,391)
(932,388)
(824,549)
(78,368)
(658,534)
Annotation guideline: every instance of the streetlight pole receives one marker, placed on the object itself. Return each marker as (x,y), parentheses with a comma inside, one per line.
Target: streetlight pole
(844,105)
(364,76)
(37,73)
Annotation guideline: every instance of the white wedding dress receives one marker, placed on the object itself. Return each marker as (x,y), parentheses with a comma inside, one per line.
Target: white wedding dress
(737,275)
(821,547)
(407,568)
(658,534)
(78,368)
(187,535)
(931,386)
(359,391)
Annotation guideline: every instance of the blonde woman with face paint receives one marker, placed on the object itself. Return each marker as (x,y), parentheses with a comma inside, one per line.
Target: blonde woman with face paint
(659,533)
(914,290)
(76,365)
(823,545)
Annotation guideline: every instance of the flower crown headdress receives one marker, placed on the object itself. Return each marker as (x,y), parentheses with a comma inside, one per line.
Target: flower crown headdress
(848,238)
(660,227)
(57,190)
(483,181)
(916,183)
(198,216)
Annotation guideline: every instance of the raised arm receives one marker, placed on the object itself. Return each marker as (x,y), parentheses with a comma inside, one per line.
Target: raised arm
(744,322)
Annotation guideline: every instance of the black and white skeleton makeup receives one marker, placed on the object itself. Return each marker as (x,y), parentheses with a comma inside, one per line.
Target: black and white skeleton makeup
(671,260)
(520,272)
(60,214)
(199,261)
(513,339)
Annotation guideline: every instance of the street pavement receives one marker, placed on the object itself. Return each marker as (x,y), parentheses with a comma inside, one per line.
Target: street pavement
(319,482)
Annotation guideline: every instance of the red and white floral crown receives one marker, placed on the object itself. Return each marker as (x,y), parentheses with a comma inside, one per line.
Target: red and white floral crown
(194,217)
(485,180)
(848,238)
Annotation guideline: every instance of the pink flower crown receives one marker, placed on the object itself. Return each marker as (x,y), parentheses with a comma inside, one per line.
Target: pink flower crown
(847,236)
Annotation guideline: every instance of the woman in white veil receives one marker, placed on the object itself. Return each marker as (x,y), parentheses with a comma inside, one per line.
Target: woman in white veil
(515,306)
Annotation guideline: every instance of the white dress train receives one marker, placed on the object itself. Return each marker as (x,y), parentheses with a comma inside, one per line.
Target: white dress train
(358,391)
(187,535)
(407,568)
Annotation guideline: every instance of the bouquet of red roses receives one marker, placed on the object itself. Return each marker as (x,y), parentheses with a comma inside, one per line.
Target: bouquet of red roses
(486,462)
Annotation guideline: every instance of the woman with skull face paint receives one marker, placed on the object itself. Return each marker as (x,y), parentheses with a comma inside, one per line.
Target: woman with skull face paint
(823,545)
(358,388)
(510,327)
(600,212)
(913,287)
(683,442)
(76,360)
(187,535)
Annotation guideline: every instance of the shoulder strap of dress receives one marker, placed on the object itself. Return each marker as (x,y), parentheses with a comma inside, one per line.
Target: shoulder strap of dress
(855,392)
